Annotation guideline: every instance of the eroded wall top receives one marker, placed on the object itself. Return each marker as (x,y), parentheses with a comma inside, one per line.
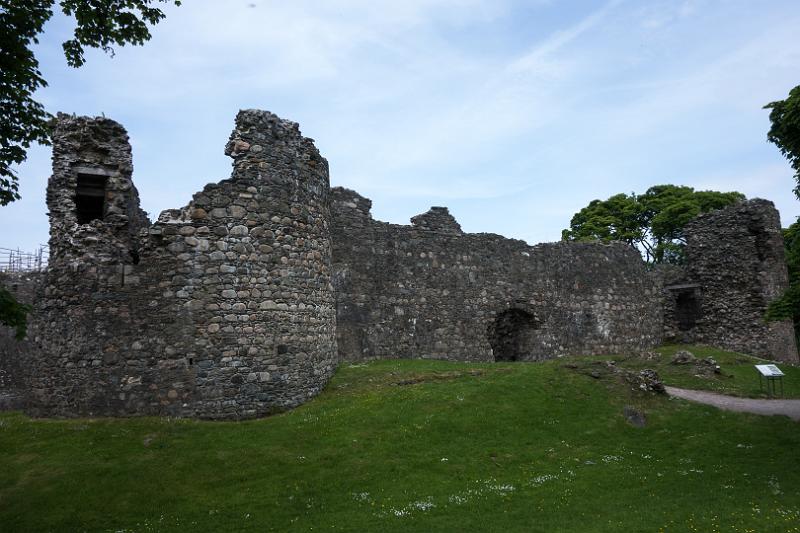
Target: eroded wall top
(93,205)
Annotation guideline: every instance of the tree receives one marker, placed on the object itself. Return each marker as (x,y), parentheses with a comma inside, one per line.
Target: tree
(24,121)
(785,134)
(785,130)
(652,222)
(13,314)
(787,307)
(98,24)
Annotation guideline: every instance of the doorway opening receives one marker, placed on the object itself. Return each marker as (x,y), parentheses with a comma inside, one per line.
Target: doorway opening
(688,309)
(509,335)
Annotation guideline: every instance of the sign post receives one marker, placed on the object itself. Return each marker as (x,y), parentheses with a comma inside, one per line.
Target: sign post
(770,374)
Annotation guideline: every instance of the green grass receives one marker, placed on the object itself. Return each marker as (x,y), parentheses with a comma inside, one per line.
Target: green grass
(414,446)
(738,375)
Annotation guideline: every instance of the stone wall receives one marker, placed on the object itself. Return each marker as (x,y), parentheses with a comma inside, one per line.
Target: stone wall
(221,309)
(14,377)
(735,266)
(429,290)
(242,302)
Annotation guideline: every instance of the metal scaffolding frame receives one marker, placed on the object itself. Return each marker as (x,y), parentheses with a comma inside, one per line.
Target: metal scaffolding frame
(12,260)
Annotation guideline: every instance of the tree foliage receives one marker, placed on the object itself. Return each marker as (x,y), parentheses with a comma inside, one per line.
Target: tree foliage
(98,24)
(787,307)
(785,134)
(24,121)
(785,130)
(13,314)
(653,222)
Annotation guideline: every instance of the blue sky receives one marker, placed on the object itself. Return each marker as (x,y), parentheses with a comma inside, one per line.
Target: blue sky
(513,114)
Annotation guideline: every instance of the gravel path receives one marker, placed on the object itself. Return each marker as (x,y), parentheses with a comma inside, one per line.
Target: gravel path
(790,408)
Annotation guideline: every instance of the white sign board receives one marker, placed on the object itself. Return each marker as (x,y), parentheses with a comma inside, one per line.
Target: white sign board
(769,371)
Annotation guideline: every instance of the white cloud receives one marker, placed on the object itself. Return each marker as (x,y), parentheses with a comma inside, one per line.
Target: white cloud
(478,102)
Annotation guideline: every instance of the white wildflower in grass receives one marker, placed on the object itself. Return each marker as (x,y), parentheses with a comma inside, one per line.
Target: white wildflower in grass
(501,489)
(457,499)
(422,505)
(361,496)
(611,458)
(444,459)
(544,478)
(425,505)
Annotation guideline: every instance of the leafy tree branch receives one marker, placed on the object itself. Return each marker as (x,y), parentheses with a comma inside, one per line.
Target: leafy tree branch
(99,24)
(652,222)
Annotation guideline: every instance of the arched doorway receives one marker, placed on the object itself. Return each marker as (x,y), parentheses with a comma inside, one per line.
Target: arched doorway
(510,333)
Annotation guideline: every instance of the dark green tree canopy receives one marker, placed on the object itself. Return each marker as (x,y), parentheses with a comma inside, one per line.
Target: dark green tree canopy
(24,121)
(652,222)
(785,130)
(13,314)
(98,24)
(785,133)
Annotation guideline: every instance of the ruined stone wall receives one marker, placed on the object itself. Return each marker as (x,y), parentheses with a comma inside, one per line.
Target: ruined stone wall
(222,309)
(735,266)
(95,149)
(14,377)
(429,290)
(242,302)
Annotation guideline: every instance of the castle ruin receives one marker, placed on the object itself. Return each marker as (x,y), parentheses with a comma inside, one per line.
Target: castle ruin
(243,302)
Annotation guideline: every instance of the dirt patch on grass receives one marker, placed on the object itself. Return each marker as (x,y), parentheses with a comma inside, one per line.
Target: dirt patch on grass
(437,376)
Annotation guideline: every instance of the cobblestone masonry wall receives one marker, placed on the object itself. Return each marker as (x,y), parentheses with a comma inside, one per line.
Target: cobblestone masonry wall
(429,290)
(14,378)
(228,307)
(222,309)
(735,268)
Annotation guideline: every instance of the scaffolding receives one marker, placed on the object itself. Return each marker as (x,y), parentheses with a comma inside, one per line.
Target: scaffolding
(20,261)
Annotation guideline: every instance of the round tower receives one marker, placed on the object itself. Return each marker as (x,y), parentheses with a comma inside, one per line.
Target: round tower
(252,284)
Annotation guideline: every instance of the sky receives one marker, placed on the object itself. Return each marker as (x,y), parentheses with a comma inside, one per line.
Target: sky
(514,114)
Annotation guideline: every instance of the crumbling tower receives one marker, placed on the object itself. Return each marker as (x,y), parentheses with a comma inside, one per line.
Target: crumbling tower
(735,267)
(221,309)
(92,202)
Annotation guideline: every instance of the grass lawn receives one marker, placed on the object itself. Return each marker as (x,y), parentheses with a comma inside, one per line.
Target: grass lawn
(417,446)
(738,375)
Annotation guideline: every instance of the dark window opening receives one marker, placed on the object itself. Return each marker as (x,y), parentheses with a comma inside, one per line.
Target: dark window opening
(688,310)
(191,361)
(90,198)
(509,335)
(134,257)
